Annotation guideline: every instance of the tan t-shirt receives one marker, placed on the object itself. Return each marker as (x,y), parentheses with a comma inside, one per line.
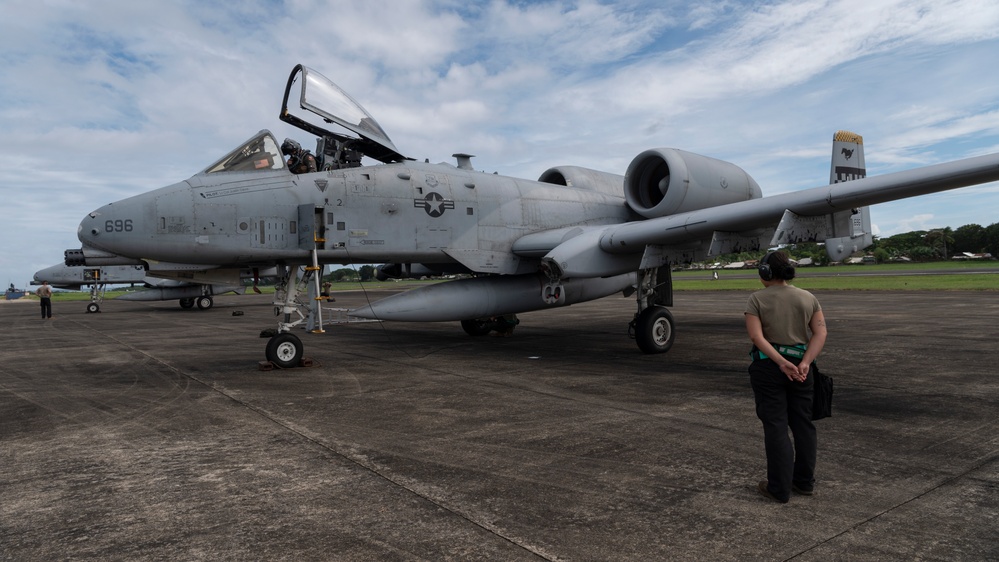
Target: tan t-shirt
(784,311)
(44,291)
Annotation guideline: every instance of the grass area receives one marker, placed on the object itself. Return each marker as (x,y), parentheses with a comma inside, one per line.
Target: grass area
(992,265)
(888,277)
(958,282)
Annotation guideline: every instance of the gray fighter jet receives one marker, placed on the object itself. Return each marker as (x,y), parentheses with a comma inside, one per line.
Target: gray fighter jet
(189,294)
(573,235)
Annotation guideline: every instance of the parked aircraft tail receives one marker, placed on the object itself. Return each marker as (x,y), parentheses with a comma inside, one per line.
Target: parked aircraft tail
(843,232)
(847,157)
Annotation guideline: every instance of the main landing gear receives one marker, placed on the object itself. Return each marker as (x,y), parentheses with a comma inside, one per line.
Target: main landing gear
(204,302)
(503,325)
(653,327)
(284,349)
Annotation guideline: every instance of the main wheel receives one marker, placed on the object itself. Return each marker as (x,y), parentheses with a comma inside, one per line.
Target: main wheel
(204,303)
(655,330)
(285,350)
(93,307)
(187,302)
(477,327)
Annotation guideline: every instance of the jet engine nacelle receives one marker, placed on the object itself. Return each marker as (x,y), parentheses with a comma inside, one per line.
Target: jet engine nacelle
(576,176)
(665,181)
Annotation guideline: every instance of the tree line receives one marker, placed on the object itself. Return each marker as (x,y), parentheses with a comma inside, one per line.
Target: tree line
(918,245)
(939,243)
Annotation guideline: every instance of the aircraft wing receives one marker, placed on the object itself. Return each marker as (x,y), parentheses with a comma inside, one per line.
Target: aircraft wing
(602,251)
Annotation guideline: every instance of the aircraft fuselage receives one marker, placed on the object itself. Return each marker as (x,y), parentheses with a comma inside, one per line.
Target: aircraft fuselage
(404,212)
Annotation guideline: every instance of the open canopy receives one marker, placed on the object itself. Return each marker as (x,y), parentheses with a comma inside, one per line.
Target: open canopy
(321,97)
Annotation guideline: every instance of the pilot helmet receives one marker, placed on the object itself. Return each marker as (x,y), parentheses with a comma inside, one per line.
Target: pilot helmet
(290,146)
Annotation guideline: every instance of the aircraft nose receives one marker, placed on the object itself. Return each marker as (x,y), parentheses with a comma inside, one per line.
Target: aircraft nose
(110,228)
(90,232)
(125,228)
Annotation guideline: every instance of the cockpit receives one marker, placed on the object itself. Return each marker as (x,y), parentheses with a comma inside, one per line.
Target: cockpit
(356,133)
(257,154)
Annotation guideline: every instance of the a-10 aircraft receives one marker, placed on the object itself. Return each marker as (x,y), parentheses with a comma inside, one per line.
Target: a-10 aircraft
(572,236)
(188,293)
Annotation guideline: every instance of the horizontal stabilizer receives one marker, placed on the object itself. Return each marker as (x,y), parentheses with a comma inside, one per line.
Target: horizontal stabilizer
(843,233)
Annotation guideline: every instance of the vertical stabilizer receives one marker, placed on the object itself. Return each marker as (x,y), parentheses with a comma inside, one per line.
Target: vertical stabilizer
(847,157)
(842,232)
(852,229)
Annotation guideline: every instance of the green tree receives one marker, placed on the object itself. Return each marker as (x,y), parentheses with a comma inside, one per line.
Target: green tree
(969,238)
(939,239)
(902,244)
(992,239)
(344,274)
(923,253)
(367,272)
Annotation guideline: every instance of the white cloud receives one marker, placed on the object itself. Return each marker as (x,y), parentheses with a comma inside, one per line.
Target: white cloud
(104,99)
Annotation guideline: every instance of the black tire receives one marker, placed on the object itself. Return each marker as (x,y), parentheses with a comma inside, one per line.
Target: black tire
(204,303)
(655,330)
(93,307)
(285,350)
(478,327)
(187,303)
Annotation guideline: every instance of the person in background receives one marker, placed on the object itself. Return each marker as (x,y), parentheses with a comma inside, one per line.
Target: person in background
(45,296)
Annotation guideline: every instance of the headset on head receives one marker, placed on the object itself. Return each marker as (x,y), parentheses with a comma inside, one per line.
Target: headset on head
(766,272)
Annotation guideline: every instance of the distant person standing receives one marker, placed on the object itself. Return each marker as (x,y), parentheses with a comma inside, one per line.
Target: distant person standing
(45,295)
(778,319)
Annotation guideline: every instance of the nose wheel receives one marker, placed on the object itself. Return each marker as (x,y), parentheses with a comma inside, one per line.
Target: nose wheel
(285,350)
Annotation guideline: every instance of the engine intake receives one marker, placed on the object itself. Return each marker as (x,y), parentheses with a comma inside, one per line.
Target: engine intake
(666,181)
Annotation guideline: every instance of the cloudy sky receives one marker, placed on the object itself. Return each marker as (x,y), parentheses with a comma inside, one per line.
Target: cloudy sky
(100,100)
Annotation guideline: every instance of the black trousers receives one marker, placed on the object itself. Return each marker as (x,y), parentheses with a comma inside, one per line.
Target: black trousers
(782,404)
(46,307)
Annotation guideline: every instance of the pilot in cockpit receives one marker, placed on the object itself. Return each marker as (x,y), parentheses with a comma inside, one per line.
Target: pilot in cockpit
(299,161)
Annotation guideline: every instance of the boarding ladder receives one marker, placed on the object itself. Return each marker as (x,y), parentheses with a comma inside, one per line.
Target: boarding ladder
(316,271)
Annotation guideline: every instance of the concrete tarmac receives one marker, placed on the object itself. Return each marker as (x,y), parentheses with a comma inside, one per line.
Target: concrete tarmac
(147,432)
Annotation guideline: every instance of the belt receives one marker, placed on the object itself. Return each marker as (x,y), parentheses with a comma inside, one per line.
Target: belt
(796,351)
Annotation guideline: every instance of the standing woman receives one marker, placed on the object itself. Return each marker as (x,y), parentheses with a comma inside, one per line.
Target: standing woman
(788,331)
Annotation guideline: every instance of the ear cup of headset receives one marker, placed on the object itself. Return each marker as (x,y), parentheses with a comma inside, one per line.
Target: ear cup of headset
(766,273)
